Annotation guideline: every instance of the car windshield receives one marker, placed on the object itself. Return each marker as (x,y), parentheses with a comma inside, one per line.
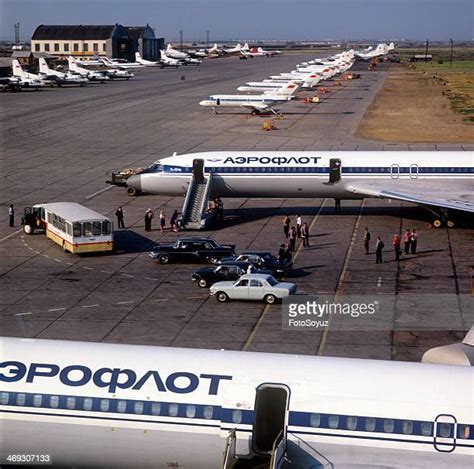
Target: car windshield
(272,281)
(269,257)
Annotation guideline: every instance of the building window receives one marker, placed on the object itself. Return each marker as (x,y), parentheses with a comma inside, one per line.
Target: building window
(56,47)
(96,47)
(76,47)
(85,47)
(104,47)
(46,47)
(37,47)
(66,47)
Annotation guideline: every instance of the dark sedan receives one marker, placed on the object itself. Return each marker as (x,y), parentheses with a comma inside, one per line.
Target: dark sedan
(263,260)
(207,276)
(196,250)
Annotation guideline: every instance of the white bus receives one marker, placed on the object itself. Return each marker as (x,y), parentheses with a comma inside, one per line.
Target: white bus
(75,228)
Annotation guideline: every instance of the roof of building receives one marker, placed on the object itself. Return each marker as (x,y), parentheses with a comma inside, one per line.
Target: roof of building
(79,32)
(137,32)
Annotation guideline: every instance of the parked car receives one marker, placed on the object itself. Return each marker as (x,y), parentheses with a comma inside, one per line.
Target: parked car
(263,260)
(195,250)
(253,287)
(231,270)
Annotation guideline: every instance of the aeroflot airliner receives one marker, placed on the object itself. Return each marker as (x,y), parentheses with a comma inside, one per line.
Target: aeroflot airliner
(440,181)
(103,405)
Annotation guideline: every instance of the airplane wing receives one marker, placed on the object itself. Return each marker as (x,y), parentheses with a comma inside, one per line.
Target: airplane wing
(452,195)
(257,106)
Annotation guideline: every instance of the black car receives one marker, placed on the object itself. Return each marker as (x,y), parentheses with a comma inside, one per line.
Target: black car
(195,250)
(231,270)
(263,260)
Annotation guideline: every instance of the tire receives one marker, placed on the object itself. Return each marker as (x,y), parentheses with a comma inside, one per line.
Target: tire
(221,297)
(213,260)
(450,224)
(202,282)
(437,223)
(28,229)
(132,192)
(270,299)
(163,259)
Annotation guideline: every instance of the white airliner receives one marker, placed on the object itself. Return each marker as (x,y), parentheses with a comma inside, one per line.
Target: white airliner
(168,61)
(269,53)
(176,54)
(146,63)
(233,50)
(440,181)
(84,72)
(77,404)
(116,64)
(379,51)
(25,79)
(60,78)
(256,102)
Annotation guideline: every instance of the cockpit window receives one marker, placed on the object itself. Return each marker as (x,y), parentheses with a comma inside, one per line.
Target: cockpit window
(156,168)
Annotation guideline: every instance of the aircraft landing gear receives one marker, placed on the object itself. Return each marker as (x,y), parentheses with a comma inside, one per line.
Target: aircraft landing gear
(443,219)
(132,192)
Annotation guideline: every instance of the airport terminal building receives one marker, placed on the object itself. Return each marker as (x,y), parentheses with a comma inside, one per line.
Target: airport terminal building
(113,41)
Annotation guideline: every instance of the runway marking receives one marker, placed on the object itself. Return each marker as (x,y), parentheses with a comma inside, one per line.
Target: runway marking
(38,252)
(159,299)
(254,331)
(124,302)
(70,263)
(89,306)
(193,297)
(58,260)
(45,255)
(379,282)
(23,314)
(105,272)
(99,192)
(149,278)
(126,275)
(55,309)
(31,249)
(324,336)
(10,235)
(88,268)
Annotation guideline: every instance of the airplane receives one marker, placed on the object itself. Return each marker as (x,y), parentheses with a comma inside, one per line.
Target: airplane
(175,54)
(307,80)
(25,79)
(60,78)
(120,65)
(10,83)
(146,63)
(233,50)
(380,50)
(197,53)
(258,103)
(213,51)
(246,51)
(84,72)
(439,181)
(268,53)
(79,404)
(168,61)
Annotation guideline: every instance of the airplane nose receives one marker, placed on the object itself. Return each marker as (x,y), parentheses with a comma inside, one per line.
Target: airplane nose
(134,184)
(203,102)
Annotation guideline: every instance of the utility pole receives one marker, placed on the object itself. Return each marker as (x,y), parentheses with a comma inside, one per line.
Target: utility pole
(180,39)
(17,33)
(426,50)
(207,38)
(451,58)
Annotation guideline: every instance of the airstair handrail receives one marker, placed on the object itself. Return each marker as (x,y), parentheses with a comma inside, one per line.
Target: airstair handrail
(205,199)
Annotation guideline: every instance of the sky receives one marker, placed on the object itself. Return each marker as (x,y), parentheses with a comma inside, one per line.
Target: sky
(256,19)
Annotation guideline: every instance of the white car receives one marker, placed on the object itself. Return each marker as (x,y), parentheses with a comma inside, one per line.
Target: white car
(253,287)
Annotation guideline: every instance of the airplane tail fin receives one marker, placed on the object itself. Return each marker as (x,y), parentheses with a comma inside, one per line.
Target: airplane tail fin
(162,54)
(246,46)
(288,89)
(17,69)
(43,66)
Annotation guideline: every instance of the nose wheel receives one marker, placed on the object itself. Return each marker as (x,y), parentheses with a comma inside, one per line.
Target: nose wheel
(440,222)
(132,192)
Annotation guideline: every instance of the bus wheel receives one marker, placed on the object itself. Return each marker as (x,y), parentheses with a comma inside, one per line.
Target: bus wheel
(28,229)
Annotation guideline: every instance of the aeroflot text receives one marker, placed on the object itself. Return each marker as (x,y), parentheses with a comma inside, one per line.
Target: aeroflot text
(181,382)
(278,160)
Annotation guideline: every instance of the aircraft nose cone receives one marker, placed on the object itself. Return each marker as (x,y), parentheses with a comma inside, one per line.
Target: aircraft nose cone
(203,102)
(135,182)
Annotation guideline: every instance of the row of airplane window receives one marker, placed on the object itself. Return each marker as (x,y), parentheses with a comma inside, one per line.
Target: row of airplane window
(331,421)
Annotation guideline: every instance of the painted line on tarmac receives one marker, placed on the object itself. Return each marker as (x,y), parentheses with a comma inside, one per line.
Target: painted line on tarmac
(23,314)
(55,309)
(254,331)
(324,336)
(124,302)
(91,196)
(89,306)
(379,282)
(10,235)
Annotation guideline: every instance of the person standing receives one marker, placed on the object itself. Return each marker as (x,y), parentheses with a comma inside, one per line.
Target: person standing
(286,225)
(11,216)
(305,235)
(149,215)
(119,215)
(288,253)
(413,241)
(162,221)
(406,241)
(367,240)
(396,246)
(299,224)
(220,210)
(337,206)
(173,220)
(292,239)
(282,253)
(379,245)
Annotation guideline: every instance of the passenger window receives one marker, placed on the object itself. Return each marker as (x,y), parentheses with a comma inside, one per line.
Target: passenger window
(333,421)
(407,427)
(20,399)
(37,400)
(444,430)
(255,283)
(315,420)
(138,407)
(106,227)
(96,228)
(173,410)
(87,229)
(104,405)
(156,408)
(351,423)
(224,270)
(388,425)
(87,404)
(71,402)
(426,428)
(122,406)
(237,416)
(243,283)
(464,431)
(54,402)
(370,424)
(4,398)
(190,411)
(208,411)
(76,229)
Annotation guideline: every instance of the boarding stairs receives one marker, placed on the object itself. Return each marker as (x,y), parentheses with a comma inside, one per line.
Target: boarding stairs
(288,452)
(194,213)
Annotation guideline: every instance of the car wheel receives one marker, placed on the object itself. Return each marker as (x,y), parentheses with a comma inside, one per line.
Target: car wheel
(28,229)
(270,299)
(202,283)
(163,259)
(213,260)
(222,297)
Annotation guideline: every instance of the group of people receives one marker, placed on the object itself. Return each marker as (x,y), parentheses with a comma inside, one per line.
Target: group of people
(149,215)
(216,205)
(293,233)
(409,239)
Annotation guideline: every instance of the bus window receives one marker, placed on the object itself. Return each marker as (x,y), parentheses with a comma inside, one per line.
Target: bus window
(106,227)
(76,229)
(69,229)
(87,229)
(96,231)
